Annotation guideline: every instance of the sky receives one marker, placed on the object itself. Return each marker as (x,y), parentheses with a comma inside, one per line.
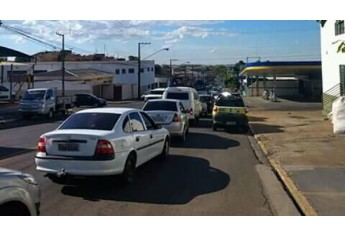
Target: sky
(195,41)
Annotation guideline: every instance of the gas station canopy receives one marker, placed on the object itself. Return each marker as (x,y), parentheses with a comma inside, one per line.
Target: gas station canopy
(7,52)
(282,69)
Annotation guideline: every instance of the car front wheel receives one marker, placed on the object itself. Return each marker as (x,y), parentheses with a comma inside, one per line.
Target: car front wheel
(165,152)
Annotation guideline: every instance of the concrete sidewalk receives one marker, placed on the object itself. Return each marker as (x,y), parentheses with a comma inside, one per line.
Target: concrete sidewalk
(300,145)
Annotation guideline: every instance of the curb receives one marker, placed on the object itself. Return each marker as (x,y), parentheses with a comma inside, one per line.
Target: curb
(298,197)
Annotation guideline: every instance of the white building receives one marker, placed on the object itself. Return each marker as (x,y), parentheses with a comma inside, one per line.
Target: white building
(333,62)
(124,72)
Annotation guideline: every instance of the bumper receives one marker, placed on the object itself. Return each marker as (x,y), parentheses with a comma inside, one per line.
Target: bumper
(32,111)
(82,167)
(230,120)
(175,128)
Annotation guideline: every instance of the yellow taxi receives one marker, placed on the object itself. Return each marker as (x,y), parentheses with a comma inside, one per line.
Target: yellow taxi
(229,111)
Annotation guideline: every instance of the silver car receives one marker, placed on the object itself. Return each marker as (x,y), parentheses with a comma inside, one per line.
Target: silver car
(19,194)
(170,114)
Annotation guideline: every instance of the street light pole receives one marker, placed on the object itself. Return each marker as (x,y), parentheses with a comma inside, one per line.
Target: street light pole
(139,66)
(171,72)
(63,62)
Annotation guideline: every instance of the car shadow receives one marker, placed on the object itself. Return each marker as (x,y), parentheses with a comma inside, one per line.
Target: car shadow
(7,152)
(205,141)
(35,120)
(259,128)
(177,180)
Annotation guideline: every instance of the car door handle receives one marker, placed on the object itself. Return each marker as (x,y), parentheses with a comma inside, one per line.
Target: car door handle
(151,136)
(137,139)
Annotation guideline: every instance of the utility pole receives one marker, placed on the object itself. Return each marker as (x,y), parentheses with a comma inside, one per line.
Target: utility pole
(139,66)
(63,62)
(171,71)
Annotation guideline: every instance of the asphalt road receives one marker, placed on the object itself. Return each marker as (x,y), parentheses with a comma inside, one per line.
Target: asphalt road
(212,173)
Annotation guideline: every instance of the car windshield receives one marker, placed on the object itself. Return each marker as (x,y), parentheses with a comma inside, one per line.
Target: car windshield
(229,102)
(179,96)
(157,92)
(92,120)
(160,106)
(34,95)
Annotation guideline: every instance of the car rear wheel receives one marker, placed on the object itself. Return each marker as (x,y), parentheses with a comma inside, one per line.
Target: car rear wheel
(128,174)
(50,114)
(165,152)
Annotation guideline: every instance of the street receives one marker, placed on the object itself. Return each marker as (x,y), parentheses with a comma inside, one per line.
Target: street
(212,173)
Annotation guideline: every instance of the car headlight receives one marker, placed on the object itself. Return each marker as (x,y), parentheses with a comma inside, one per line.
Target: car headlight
(28,179)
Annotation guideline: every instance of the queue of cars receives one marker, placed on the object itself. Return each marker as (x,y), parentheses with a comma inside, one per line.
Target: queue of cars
(115,141)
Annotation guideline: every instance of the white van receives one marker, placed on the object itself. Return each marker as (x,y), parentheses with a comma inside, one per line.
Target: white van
(189,98)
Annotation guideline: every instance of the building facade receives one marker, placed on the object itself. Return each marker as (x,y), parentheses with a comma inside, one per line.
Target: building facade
(125,73)
(333,62)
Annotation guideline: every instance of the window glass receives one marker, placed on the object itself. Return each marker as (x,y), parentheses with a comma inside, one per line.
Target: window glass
(179,96)
(181,107)
(160,106)
(131,70)
(2,88)
(229,102)
(49,94)
(123,71)
(91,120)
(148,121)
(34,95)
(126,125)
(136,122)
(141,70)
(117,71)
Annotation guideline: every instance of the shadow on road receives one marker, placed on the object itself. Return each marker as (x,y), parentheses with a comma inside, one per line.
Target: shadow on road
(205,141)
(259,128)
(7,152)
(177,180)
(33,121)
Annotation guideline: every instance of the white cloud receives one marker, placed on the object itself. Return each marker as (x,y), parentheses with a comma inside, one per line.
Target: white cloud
(213,50)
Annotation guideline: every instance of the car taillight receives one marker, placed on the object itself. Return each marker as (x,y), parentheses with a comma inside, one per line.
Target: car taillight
(104,148)
(41,146)
(176,118)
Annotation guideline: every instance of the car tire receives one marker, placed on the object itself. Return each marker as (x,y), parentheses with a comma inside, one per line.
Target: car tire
(165,152)
(50,114)
(128,174)
(183,136)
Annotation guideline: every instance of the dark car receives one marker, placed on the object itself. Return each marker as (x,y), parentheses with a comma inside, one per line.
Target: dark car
(209,100)
(90,100)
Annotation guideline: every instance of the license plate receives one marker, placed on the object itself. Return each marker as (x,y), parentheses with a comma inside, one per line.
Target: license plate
(68,147)
(230,123)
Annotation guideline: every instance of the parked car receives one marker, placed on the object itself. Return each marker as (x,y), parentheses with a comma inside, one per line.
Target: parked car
(19,194)
(188,97)
(89,100)
(169,113)
(153,94)
(229,111)
(5,93)
(44,101)
(101,141)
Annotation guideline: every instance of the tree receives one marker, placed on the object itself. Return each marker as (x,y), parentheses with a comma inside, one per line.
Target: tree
(132,58)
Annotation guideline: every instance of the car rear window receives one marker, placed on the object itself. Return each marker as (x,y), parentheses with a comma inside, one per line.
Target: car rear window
(92,120)
(179,96)
(157,92)
(229,102)
(160,106)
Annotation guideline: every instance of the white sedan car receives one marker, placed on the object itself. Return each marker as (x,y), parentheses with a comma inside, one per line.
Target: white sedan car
(101,141)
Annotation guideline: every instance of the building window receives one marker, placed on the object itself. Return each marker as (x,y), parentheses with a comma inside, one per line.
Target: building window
(151,68)
(148,69)
(342,79)
(117,71)
(123,71)
(141,70)
(339,27)
(131,71)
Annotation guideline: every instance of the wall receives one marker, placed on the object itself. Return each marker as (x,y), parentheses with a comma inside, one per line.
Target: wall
(129,91)
(329,56)
(283,88)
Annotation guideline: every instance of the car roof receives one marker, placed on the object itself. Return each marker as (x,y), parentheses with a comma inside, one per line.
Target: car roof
(164,100)
(180,89)
(117,110)
(158,89)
